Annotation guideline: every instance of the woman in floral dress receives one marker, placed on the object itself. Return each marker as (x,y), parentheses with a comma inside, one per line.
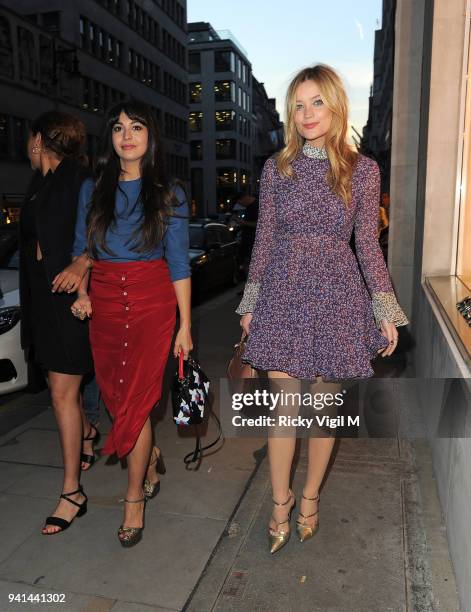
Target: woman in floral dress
(315,311)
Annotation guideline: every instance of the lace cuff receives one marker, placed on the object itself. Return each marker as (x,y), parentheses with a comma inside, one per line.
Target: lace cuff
(385,306)
(249,299)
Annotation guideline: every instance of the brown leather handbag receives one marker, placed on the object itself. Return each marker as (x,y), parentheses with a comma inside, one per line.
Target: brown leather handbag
(237,369)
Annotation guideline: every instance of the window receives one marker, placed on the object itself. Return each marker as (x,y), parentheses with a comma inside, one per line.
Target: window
(244,73)
(26,54)
(83,29)
(4,144)
(194,63)
(46,69)
(195,122)
(226,176)
(101,44)
(6,53)
(244,178)
(452,284)
(224,61)
(225,120)
(239,99)
(91,35)
(51,22)
(196,150)
(226,187)
(86,93)
(195,92)
(224,91)
(117,53)
(226,148)
(19,138)
(463,270)
(239,68)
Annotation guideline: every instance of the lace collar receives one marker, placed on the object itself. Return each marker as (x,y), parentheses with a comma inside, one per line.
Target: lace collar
(314,152)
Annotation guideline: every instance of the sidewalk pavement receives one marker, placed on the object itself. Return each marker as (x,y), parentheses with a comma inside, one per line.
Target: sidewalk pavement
(380,546)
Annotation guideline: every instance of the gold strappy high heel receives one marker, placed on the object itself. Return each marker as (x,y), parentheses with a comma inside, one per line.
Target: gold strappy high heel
(152,488)
(278,538)
(129,536)
(304,531)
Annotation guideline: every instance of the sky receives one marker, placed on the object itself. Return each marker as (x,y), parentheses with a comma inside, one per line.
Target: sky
(281,37)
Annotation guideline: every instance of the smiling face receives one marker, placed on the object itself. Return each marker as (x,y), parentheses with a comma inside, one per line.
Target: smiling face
(311,115)
(130,139)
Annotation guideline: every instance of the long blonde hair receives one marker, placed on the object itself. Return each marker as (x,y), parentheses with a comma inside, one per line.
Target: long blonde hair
(341,155)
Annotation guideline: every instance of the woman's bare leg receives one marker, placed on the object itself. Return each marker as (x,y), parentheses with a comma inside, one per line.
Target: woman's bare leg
(281,447)
(319,451)
(65,394)
(138,461)
(87,445)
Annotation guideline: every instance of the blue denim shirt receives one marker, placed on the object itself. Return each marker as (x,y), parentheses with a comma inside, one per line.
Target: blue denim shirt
(128,214)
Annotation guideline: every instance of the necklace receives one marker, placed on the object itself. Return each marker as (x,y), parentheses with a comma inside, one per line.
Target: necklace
(314,152)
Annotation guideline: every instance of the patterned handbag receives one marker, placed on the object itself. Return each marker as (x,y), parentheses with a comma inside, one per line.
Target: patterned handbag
(190,396)
(190,392)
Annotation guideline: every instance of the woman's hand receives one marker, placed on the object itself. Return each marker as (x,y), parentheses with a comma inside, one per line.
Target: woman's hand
(183,342)
(82,307)
(389,331)
(245,321)
(70,278)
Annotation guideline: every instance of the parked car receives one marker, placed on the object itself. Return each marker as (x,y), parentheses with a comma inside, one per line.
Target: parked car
(214,253)
(13,365)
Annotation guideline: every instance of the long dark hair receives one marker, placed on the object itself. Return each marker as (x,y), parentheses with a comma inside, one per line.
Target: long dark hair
(156,195)
(62,134)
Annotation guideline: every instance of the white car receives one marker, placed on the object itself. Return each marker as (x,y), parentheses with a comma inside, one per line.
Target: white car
(13,365)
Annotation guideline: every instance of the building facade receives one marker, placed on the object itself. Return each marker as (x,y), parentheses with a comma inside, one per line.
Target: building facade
(220,120)
(268,129)
(82,57)
(376,139)
(430,241)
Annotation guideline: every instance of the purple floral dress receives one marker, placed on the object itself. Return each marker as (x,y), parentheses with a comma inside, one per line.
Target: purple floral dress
(315,313)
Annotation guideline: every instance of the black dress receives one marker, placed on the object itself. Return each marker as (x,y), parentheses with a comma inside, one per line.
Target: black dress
(55,339)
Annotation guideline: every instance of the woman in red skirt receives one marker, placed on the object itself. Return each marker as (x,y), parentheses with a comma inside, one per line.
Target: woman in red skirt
(132,233)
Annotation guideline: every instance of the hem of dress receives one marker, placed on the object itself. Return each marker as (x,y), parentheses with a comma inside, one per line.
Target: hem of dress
(71,371)
(267,367)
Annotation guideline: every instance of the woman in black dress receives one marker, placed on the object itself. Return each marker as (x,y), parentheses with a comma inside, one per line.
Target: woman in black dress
(55,340)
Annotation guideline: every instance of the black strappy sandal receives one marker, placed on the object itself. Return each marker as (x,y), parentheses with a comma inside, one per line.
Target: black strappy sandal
(90,459)
(57,521)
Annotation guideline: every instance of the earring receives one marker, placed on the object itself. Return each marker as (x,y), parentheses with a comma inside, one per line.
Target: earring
(36,150)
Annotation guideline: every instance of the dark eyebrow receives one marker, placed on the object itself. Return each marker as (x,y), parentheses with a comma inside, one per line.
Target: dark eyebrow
(133,121)
(313,98)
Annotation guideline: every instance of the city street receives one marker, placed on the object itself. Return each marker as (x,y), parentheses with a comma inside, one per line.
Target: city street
(380,547)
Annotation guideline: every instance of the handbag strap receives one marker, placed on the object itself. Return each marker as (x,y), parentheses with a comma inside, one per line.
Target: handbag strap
(196,456)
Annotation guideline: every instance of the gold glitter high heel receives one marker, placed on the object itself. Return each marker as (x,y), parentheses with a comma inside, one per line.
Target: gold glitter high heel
(304,531)
(277,538)
(130,536)
(152,488)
